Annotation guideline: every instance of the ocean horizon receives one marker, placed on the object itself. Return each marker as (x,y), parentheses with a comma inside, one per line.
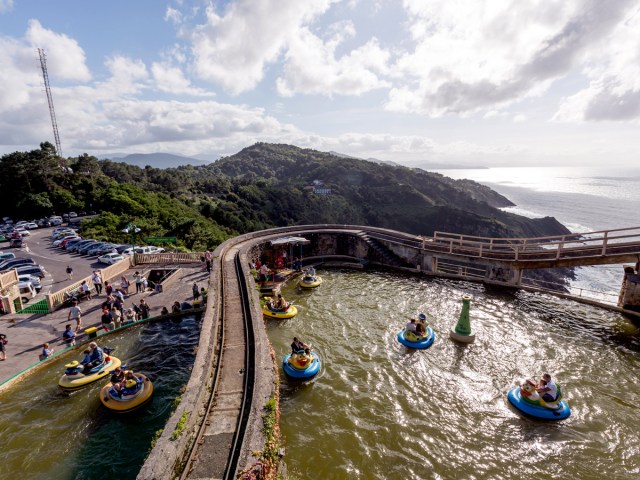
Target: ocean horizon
(584,199)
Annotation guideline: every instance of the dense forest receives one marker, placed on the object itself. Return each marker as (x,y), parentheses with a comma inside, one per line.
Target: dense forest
(262,186)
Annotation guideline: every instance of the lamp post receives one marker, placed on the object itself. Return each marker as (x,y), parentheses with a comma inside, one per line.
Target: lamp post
(132,230)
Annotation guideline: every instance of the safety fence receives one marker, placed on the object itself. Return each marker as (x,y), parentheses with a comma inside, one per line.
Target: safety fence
(55,299)
(601,243)
(39,307)
(146,258)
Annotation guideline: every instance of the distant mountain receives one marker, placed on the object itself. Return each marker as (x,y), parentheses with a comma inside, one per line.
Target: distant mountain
(156,160)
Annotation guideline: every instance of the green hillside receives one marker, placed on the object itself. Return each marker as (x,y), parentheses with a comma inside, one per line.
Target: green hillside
(262,186)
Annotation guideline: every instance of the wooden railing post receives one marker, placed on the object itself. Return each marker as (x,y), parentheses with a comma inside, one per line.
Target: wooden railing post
(516,250)
(560,246)
(604,243)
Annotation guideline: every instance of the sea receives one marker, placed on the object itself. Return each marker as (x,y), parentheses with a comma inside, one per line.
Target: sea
(584,199)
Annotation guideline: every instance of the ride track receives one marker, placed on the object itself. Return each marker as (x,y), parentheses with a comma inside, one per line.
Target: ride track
(218,445)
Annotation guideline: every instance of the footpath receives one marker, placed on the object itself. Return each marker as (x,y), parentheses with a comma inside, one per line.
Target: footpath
(27,333)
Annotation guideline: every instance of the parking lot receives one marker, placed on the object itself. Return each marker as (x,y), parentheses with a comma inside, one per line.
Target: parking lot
(54,260)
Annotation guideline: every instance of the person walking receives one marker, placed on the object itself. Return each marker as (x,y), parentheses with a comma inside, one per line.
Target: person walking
(208,258)
(3,348)
(196,291)
(124,285)
(144,309)
(97,282)
(138,280)
(69,272)
(75,313)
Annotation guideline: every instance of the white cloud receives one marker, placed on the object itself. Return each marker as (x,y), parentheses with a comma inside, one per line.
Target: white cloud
(311,67)
(171,79)
(128,76)
(519,118)
(471,55)
(613,70)
(65,58)
(173,15)
(233,49)
(6,5)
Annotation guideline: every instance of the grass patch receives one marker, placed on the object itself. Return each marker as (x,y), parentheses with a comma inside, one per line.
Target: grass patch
(156,436)
(269,428)
(180,426)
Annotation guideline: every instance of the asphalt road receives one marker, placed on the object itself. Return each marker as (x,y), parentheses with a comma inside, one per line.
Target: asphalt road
(54,261)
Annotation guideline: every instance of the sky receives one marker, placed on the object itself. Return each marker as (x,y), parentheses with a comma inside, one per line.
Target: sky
(436,82)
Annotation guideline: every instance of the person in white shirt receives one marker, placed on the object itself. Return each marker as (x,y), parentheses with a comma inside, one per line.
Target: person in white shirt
(411,326)
(547,389)
(97,282)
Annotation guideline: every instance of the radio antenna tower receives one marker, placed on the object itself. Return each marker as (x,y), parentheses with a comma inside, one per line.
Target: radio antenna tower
(54,123)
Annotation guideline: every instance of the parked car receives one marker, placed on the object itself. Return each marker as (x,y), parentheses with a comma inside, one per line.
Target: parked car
(23,231)
(73,214)
(31,225)
(110,258)
(82,213)
(36,270)
(81,244)
(71,243)
(27,291)
(106,248)
(92,246)
(7,255)
(15,262)
(35,281)
(64,233)
(123,247)
(16,242)
(149,249)
(98,249)
(58,243)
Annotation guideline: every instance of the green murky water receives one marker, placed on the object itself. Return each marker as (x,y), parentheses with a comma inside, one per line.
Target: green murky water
(378,410)
(48,434)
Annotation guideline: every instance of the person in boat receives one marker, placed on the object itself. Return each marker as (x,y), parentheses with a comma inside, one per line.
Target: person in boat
(297,345)
(130,380)
(175,307)
(411,326)
(281,303)
(547,389)
(96,357)
(117,379)
(311,271)
(421,327)
(87,357)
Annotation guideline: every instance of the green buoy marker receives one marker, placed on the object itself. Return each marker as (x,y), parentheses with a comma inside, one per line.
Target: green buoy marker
(462,331)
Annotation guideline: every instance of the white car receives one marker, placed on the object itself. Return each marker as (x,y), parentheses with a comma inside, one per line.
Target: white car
(31,225)
(149,249)
(23,231)
(110,258)
(35,281)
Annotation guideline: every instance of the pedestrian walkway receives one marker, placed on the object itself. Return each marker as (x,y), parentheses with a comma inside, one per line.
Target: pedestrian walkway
(26,333)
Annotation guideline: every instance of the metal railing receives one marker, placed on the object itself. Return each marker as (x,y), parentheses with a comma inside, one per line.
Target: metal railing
(556,247)
(144,258)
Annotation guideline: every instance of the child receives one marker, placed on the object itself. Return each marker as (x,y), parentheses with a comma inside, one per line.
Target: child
(46,351)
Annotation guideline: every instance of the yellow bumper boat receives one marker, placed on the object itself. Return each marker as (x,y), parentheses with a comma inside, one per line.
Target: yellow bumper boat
(134,394)
(74,379)
(269,311)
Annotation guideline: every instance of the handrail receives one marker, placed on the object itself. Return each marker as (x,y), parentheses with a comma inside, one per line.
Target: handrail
(8,279)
